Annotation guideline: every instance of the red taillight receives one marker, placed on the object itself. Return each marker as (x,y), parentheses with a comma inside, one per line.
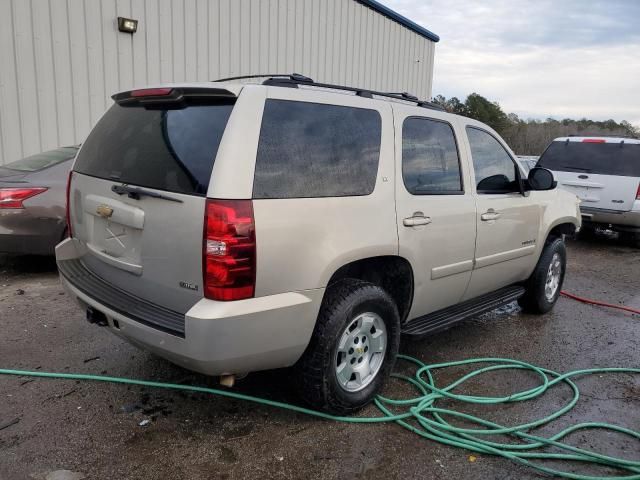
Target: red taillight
(638,193)
(594,140)
(229,250)
(68,204)
(151,92)
(13,197)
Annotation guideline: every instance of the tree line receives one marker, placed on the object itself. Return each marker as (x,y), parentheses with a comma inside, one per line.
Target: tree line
(530,137)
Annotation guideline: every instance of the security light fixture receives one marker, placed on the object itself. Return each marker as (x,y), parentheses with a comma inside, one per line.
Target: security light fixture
(127,25)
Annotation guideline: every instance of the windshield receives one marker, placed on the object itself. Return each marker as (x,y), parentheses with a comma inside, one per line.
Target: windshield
(43,160)
(172,149)
(600,158)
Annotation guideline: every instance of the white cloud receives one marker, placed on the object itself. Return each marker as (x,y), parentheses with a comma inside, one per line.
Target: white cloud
(535,58)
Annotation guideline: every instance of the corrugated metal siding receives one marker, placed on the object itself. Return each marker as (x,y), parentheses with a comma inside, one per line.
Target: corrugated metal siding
(61,60)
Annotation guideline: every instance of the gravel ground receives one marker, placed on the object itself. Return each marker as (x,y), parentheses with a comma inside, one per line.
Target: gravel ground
(92,430)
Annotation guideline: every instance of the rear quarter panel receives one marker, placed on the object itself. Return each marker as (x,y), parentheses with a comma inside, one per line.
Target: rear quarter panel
(40,225)
(52,203)
(301,242)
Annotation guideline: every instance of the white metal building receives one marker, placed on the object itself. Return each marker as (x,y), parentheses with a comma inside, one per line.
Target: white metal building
(61,60)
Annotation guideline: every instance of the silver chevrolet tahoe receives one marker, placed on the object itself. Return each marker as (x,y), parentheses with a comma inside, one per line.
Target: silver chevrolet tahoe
(232,227)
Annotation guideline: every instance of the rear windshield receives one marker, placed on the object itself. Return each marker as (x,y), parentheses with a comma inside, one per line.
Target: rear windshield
(170,150)
(599,158)
(43,160)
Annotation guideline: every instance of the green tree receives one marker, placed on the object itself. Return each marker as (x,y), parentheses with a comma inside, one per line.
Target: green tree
(440,100)
(452,105)
(531,136)
(630,129)
(487,112)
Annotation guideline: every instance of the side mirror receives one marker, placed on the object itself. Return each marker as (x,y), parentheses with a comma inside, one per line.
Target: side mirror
(541,179)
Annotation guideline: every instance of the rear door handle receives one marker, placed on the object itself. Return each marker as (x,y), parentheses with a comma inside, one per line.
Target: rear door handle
(417,219)
(489,215)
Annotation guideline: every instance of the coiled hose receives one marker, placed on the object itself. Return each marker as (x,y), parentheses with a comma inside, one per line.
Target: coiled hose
(421,414)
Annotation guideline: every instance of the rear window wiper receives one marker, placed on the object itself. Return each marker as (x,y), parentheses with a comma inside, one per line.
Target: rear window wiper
(136,193)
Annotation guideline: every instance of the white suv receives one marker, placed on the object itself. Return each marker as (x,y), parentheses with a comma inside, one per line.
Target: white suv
(234,227)
(605,173)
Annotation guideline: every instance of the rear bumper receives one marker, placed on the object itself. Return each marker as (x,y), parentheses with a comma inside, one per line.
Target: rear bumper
(624,221)
(220,337)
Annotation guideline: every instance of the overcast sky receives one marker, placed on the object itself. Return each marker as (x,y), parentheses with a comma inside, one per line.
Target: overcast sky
(537,58)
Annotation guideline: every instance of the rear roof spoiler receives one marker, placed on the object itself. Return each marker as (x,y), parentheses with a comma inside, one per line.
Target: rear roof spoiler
(172,97)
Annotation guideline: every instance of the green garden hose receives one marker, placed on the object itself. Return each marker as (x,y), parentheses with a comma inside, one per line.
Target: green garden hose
(420,414)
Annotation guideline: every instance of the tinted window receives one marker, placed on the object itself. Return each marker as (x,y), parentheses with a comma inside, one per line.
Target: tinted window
(494,169)
(170,150)
(43,160)
(316,150)
(600,158)
(429,157)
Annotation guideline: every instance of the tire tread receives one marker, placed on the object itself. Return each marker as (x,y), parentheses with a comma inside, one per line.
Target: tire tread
(312,370)
(534,300)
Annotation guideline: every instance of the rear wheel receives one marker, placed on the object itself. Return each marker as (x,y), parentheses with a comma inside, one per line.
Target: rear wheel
(352,350)
(544,285)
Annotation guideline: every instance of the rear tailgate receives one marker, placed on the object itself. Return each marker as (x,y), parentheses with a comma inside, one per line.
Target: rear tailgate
(603,173)
(138,192)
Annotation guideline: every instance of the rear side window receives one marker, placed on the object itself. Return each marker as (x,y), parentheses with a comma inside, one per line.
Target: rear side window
(170,150)
(430,161)
(316,150)
(600,158)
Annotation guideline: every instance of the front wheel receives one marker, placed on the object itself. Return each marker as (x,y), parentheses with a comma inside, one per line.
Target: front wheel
(353,348)
(544,285)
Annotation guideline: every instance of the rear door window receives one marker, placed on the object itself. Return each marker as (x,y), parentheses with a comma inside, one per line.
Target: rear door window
(172,149)
(430,163)
(316,150)
(600,158)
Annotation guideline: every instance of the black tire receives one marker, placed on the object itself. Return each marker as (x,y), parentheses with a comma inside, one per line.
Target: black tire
(534,300)
(317,380)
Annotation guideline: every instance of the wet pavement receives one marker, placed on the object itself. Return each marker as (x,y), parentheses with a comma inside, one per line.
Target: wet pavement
(51,429)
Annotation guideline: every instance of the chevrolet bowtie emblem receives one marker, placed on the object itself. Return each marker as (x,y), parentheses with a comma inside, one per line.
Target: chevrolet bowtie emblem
(104,211)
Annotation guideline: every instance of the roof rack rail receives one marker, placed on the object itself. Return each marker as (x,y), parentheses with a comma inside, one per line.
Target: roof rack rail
(405,95)
(292,80)
(292,76)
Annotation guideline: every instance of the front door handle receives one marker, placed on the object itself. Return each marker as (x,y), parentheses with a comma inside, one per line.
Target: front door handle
(489,215)
(417,219)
